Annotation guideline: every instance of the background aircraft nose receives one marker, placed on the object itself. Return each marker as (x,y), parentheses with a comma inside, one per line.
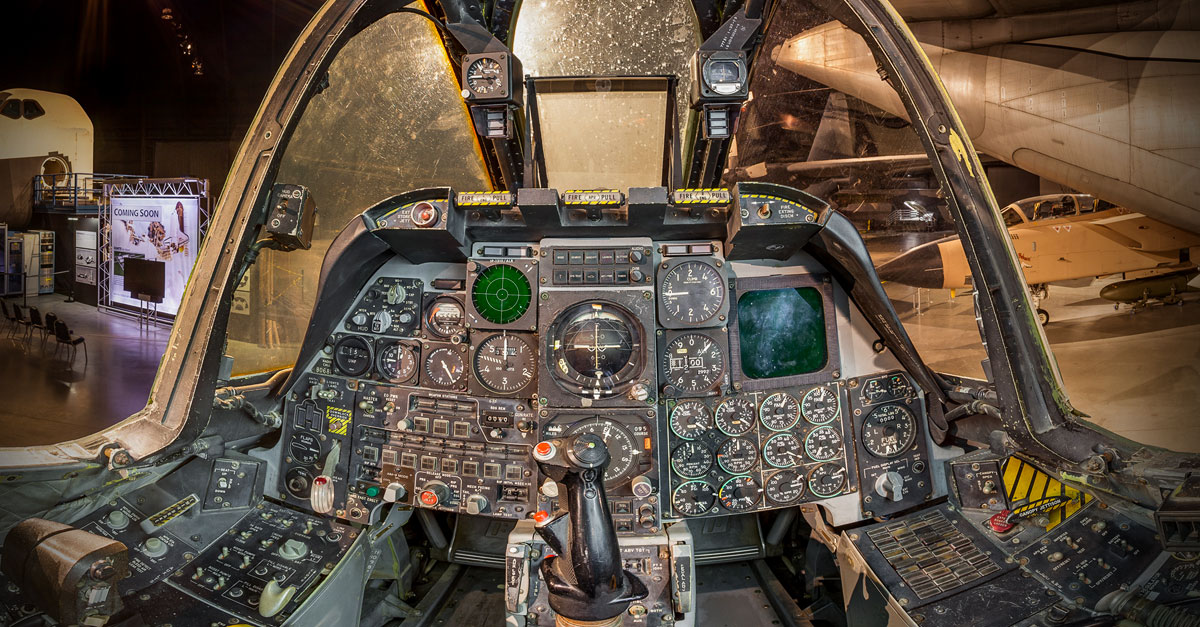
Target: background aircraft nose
(919,267)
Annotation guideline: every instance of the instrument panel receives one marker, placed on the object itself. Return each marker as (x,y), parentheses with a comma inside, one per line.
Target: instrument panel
(717,385)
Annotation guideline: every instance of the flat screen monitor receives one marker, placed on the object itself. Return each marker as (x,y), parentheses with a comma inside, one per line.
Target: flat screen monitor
(782,332)
(145,279)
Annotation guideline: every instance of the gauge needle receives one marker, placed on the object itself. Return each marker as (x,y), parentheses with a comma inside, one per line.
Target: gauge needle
(447,369)
(676,293)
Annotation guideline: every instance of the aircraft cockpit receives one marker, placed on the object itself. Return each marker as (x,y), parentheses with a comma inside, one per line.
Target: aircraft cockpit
(567,314)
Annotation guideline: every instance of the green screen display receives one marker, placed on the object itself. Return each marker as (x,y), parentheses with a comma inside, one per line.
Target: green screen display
(781,332)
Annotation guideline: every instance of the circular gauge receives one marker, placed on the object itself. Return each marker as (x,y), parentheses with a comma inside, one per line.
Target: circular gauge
(352,356)
(691,293)
(820,405)
(889,431)
(779,411)
(396,362)
(298,482)
(690,419)
(785,486)
(444,317)
(501,294)
(874,391)
(737,455)
(595,349)
(693,362)
(622,450)
(739,494)
(305,448)
(691,459)
(897,386)
(485,76)
(826,480)
(723,76)
(694,498)
(735,416)
(444,368)
(783,450)
(823,444)
(504,363)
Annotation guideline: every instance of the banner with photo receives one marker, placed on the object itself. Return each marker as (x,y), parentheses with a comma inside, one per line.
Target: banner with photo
(161,229)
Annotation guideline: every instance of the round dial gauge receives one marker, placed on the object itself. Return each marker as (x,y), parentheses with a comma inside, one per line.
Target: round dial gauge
(735,416)
(690,419)
(783,450)
(827,480)
(691,459)
(691,293)
(889,431)
(874,390)
(785,487)
(723,76)
(737,455)
(823,444)
(484,76)
(444,368)
(504,363)
(820,405)
(693,362)
(622,451)
(898,386)
(352,356)
(396,362)
(779,411)
(694,498)
(501,294)
(595,349)
(305,448)
(444,318)
(739,494)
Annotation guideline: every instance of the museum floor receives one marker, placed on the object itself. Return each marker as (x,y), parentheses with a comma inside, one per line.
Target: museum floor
(1135,374)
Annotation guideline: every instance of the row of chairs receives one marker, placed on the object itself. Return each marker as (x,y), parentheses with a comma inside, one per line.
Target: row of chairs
(31,320)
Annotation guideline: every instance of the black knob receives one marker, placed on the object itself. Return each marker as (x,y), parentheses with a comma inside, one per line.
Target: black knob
(636,256)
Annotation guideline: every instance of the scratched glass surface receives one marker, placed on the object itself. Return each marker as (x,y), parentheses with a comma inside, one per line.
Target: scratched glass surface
(781,332)
(615,38)
(390,120)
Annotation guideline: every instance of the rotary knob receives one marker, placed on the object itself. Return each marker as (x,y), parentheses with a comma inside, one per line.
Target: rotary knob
(477,504)
(359,319)
(434,493)
(890,485)
(117,520)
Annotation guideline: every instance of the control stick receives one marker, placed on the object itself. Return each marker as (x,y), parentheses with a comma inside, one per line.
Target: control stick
(584,578)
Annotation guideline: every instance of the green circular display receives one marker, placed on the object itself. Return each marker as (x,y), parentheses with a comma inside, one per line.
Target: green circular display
(501,294)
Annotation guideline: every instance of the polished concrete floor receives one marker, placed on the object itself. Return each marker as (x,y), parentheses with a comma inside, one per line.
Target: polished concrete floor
(44,398)
(1136,374)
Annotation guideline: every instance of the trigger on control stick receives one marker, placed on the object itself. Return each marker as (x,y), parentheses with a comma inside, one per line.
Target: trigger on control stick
(584,578)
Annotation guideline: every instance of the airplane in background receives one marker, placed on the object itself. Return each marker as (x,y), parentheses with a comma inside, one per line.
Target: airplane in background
(1065,237)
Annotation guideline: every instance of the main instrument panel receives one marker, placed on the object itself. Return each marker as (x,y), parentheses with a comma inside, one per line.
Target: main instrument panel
(719,384)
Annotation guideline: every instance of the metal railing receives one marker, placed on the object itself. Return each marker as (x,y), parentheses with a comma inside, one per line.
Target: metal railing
(72,192)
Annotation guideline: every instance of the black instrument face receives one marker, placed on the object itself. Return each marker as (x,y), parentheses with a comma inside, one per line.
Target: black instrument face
(595,348)
(352,356)
(694,498)
(693,362)
(735,416)
(779,411)
(785,487)
(889,431)
(305,448)
(444,368)
(690,419)
(827,480)
(444,317)
(504,363)
(691,293)
(820,405)
(622,448)
(485,76)
(396,362)
(740,494)
(737,455)
(823,444)
(783,450)
(691,459)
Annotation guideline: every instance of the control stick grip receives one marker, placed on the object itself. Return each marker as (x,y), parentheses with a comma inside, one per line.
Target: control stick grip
(584,579)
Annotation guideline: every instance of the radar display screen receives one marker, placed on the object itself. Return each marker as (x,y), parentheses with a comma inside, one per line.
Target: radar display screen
(501,294)
(781,332)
